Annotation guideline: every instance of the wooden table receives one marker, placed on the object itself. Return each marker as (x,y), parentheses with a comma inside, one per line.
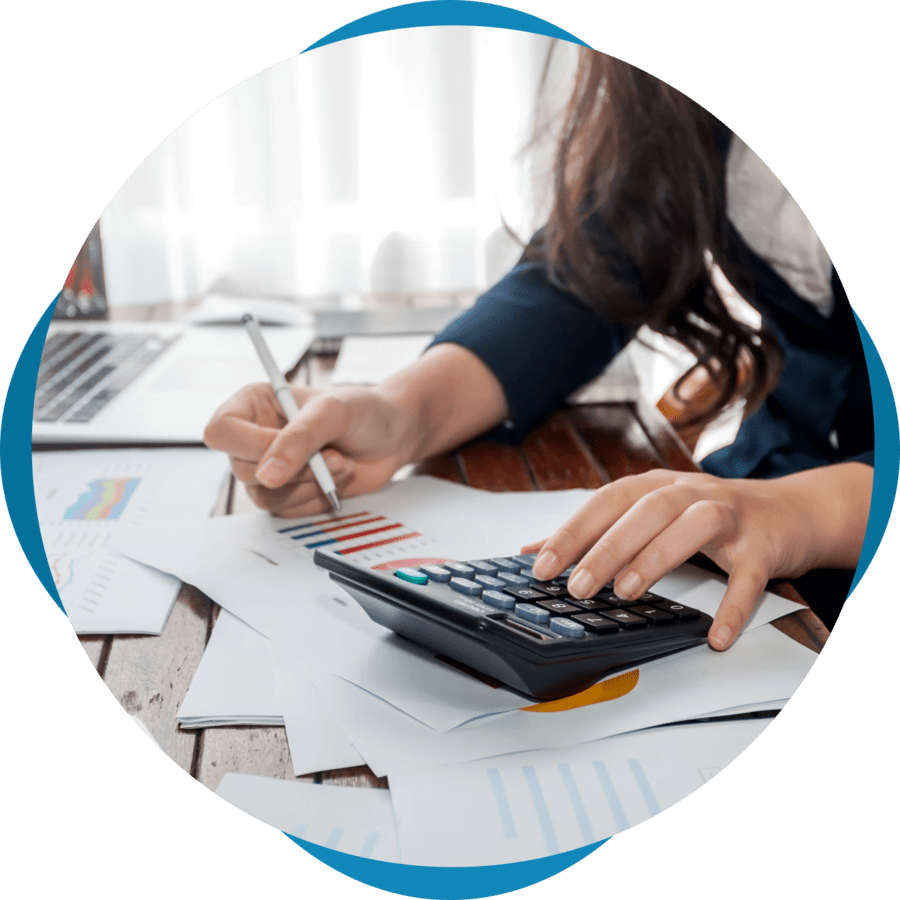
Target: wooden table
(583,447)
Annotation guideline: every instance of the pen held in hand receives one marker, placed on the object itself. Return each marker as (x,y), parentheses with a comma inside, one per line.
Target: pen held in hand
(289,407)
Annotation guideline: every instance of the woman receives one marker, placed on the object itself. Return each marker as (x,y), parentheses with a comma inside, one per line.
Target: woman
(648,189)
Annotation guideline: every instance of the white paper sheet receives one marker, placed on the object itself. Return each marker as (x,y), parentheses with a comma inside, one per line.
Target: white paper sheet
(370,358)
(763,666)
(235,682)
(358,821)
(87,498)
(316,741)
(528,805)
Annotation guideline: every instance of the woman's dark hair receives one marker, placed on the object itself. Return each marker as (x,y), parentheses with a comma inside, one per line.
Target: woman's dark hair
(640,161)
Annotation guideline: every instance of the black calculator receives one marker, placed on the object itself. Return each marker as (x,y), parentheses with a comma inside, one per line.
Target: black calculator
(494,616)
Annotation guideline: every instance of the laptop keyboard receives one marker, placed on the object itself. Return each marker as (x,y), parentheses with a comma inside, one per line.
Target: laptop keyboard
(81,371)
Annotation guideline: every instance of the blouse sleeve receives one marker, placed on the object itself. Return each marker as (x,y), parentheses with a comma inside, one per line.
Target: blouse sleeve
(540,342)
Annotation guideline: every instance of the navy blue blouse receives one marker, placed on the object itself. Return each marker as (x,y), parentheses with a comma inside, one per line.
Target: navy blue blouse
(542,343)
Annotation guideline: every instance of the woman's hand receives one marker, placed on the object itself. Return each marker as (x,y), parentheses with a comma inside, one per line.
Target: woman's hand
(641,527)
(364,434)
(361,432)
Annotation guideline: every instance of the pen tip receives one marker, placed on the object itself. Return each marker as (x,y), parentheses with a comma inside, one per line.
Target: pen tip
(335,501)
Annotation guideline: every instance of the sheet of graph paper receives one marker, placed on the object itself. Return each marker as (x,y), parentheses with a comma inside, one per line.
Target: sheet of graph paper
(527,805)
(351,820)
(87,498)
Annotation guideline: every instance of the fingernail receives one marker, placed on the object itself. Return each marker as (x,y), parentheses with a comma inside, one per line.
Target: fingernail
(272,472)
(628,586)
(545,564)
(582,585)
(722,638)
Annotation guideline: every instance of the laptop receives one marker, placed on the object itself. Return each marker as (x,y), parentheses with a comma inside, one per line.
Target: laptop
(146,382)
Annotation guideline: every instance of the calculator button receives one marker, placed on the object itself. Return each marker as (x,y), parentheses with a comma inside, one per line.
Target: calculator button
(523,592)
(566,627)
(657,616)
(506,565)
(498,600)
(592,603)
(482,567)
(510,578)
(437,573)
(526,560)
(458,568)
(550,589)
(681,612)
(624,618)
(413,576)
(464,586)
(558,606)
(532,613)
(494,584)
(596,623)
(614,600)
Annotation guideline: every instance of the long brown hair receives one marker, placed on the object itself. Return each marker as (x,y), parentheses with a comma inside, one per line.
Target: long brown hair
(639,199)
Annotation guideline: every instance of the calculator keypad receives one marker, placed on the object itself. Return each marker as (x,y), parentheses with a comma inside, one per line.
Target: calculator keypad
(508,584)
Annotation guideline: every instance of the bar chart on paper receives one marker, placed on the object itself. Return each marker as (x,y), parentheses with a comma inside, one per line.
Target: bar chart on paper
(369,538)
(536,809)
(85,499)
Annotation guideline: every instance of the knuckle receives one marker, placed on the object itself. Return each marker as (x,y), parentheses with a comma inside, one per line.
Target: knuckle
(717,514)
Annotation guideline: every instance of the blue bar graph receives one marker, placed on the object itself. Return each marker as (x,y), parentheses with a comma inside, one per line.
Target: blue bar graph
(612,797)
(581,815)
(503,808)
(540,808)
(643,783)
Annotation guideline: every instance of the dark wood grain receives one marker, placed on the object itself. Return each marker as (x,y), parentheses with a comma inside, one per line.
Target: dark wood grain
(494,467)
(559,458)
(616,439)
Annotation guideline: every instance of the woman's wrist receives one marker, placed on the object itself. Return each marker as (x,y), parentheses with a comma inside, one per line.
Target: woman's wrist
(830,505)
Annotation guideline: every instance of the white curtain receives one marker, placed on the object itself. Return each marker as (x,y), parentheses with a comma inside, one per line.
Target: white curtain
(383,165)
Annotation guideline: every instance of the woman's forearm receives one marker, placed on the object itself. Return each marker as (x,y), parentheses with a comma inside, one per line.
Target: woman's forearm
(444,399)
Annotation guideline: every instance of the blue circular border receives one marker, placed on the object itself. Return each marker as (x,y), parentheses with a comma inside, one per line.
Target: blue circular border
(435,883)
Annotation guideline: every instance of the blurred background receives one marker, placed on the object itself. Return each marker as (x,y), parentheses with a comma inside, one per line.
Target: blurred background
(379,166)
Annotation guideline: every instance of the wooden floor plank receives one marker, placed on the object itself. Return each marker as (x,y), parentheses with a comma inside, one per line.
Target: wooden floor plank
(94,645)
(244,749)
(150,676)
(358,776)
(559,458)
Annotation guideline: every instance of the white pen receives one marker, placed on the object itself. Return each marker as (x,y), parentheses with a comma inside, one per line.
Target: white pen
(289,407)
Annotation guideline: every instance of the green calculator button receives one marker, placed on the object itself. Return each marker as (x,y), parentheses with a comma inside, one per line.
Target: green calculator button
(413,576)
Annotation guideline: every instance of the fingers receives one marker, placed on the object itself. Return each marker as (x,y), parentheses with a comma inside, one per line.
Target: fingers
(606,507)
(322,419)
(746,583)
(246,423)
(700,525)
(302,495)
